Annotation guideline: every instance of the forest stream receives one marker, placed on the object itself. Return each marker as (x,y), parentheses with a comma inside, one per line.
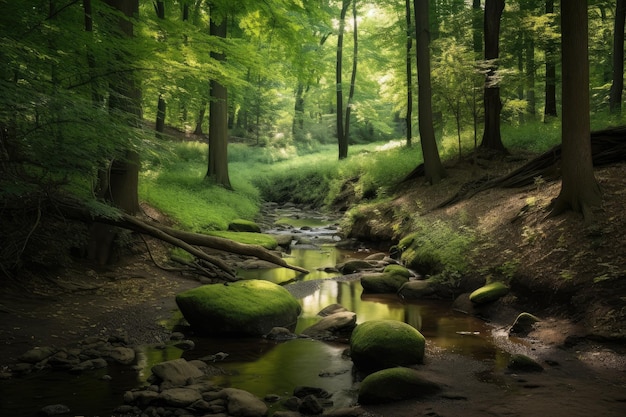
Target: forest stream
(464,353)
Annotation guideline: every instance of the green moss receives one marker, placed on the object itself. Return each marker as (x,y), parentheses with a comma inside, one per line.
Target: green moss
(394,384)
(378,344)
(398,270)
(267,241)
(488,293)
(242,225)
(249,307)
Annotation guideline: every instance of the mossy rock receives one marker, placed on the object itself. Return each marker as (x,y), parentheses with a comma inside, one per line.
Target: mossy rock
(379,344)
(523,363)
(488,293)
(415,290)
(251,307)
(395,384)
(524,323)
(354,265)
(383,283)
(242,225)
(398,270)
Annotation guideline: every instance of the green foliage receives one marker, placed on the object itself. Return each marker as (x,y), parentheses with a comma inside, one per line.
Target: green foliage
(436,247)
(179,189)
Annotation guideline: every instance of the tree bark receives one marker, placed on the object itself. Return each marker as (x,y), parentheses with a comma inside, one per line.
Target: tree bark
(617,87)
(409,75)
(550,98)
(342,140)
(218,119)
(579,190)
(160,117)
(477,24)
(433,168)
(493,105)
(346,131)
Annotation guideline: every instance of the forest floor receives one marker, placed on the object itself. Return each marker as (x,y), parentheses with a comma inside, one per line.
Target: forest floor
(570,274)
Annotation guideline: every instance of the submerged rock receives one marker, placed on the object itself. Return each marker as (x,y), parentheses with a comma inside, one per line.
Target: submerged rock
(251,307)
(335,325)
(395,384)
(379,344)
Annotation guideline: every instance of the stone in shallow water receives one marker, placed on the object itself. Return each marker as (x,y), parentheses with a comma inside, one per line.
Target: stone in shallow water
(395,384)
(54,409)
(378,344)
(250,307)
(176,372)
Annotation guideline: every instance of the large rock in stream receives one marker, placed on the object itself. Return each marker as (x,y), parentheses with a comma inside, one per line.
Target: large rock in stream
(395,384)
(251,307)
(378,344)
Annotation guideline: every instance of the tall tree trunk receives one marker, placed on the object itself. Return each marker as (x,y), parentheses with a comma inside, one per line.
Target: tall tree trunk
(493,105)
(550,99)
(409,75)
(218,118)
(355,49)
(160,117)
(342,140)
(159,8)
(433,168)
(119,182)
(298,111)
(530,76)
(579,190)
(200,119)
(477,26)
(617,87)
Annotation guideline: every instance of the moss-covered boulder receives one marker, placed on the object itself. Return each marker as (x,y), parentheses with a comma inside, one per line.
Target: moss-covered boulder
(378,344)
(395,384)
(383,282)
(489,293)
(242,225)
(251,307)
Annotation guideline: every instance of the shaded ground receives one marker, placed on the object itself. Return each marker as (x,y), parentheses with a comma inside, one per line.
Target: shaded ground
(571,275)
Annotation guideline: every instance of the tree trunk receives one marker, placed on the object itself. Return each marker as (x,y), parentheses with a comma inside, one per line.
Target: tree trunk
(617,87)
(298,112)
(200,119)
(218,119)
(346,131)
(433,168)
(493,105)
(160,117)
(579,190)
(119,183)
(477,24)
(409,75)
(550,99)
(342,140)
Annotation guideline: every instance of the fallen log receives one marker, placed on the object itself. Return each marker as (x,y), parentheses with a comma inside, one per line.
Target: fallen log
(184,240)
(227,245)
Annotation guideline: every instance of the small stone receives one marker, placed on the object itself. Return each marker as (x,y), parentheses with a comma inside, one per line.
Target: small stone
(54,409)
(310,406)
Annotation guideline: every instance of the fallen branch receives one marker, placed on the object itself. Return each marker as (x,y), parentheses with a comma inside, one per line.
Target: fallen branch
(178,238)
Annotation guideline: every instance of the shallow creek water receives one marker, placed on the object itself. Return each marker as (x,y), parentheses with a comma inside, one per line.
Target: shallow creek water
(266,367)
